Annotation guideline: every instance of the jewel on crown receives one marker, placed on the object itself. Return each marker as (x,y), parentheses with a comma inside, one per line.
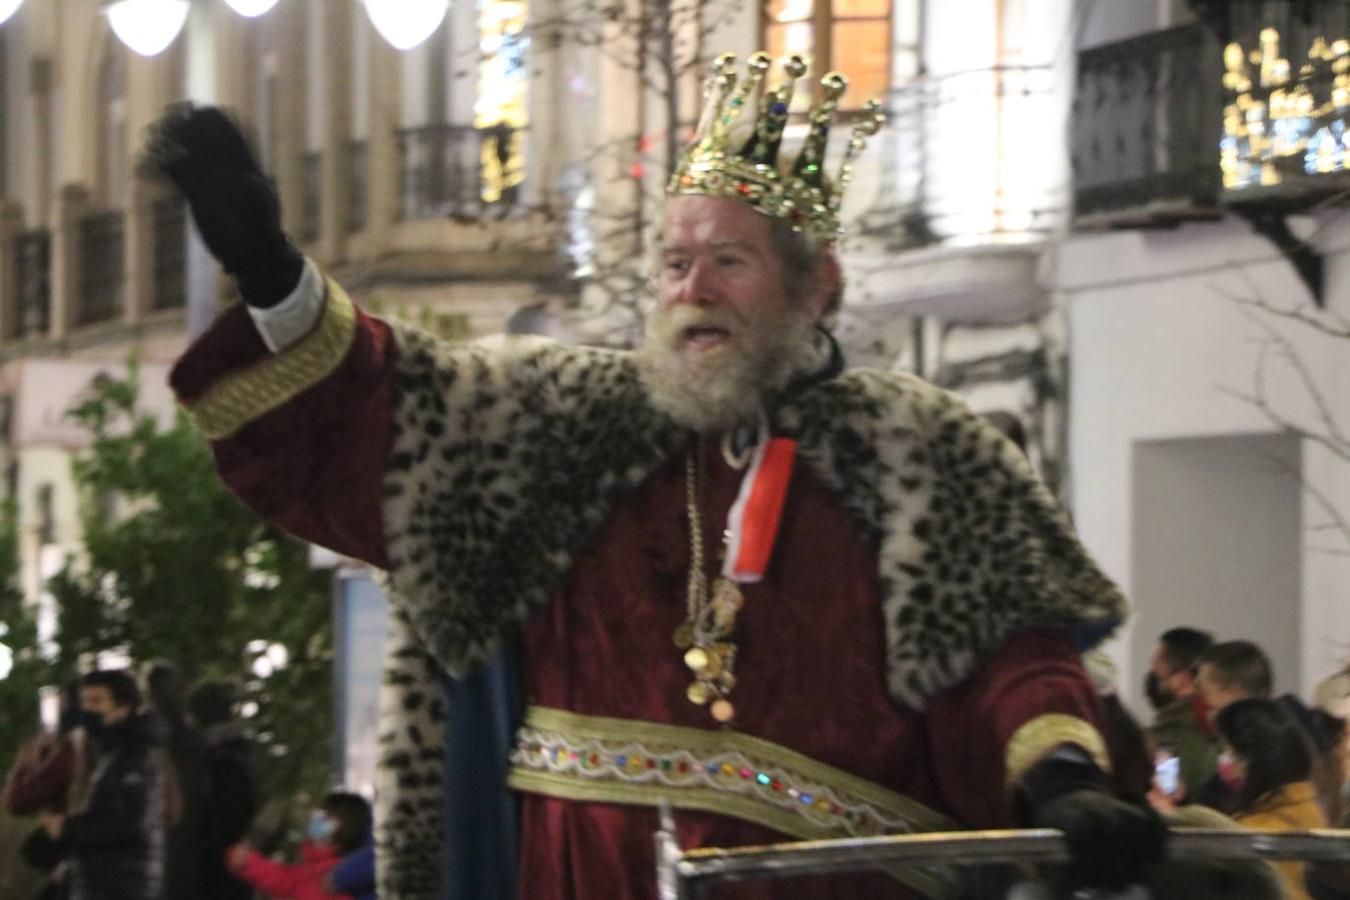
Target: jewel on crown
(800,194)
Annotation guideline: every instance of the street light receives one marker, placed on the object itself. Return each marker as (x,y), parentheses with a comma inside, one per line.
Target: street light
(8,8)
(251,8)
(147,26)
(406,23)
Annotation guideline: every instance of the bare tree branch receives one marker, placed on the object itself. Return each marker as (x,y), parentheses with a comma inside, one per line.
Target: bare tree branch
(1333,437)
(1272,345)
(1337,328)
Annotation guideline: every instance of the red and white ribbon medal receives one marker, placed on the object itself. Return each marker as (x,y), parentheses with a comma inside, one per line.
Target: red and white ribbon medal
(752,524)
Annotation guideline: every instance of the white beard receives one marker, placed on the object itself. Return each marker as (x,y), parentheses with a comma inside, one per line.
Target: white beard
(714,391)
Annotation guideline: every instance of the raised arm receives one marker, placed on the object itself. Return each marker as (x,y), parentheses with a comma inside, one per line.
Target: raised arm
(294,387)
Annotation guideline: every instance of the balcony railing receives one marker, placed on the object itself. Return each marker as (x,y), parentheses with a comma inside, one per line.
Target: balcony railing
(101,275)
(33,284)
(441,171)
(1147,117)
(358,202)
(955,153)
(311,191)
(169,286)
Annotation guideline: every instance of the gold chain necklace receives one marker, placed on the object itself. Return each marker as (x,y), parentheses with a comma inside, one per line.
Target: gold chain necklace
(710,617)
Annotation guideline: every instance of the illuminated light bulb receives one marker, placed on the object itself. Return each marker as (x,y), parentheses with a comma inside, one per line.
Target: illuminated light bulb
(406,23)
(278,656)
(147,26)
(251,8)
(8,8)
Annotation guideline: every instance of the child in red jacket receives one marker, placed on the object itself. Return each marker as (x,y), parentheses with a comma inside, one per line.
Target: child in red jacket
(340,826)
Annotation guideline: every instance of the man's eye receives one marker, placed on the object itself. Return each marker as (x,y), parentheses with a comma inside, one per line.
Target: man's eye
(729,260)
(677,265)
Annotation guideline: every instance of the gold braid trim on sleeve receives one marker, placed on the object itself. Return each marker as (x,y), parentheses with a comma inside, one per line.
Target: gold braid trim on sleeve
(1036,739)
(244,396)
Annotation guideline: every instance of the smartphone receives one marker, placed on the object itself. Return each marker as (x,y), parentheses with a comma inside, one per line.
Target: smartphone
(1167,772)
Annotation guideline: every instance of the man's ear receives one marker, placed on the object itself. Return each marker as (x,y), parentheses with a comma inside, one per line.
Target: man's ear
(826,287)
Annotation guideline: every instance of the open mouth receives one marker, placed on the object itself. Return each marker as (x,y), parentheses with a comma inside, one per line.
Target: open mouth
(704,337)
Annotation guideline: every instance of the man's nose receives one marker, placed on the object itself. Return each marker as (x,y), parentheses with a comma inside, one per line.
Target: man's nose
(697,287)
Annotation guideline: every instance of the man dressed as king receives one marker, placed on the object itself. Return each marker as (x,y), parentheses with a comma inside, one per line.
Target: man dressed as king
(788,599)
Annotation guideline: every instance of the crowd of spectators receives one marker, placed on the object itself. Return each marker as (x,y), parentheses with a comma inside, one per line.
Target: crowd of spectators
(1221,738)
(146,790)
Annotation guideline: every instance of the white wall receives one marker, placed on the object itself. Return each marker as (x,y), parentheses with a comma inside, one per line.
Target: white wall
(1154,342)
(1216,544)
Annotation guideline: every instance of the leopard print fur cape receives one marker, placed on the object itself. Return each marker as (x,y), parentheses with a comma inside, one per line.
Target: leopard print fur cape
(508,455)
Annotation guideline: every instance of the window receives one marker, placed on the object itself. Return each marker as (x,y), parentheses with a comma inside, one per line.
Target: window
(501,109)
(852,36)
(462,140)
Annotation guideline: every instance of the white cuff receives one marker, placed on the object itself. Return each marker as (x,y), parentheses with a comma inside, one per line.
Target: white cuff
(283,325)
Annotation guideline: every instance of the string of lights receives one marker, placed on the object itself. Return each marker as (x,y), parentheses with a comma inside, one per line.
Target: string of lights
(149,27)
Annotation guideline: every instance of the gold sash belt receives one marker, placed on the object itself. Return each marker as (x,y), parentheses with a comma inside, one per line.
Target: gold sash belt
(604,760)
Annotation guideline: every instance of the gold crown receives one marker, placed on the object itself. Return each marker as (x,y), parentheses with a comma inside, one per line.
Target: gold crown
(802,194)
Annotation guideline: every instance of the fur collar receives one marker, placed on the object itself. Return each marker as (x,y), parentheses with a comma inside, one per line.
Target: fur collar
(509,455)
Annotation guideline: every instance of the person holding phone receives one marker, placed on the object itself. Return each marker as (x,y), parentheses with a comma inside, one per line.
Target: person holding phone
(1178,724)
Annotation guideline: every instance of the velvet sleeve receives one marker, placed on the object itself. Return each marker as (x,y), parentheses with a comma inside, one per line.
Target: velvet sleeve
(1028,699)
(300,436)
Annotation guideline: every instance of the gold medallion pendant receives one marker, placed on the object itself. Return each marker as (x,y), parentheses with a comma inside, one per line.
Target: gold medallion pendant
(710,620)
(709,652)
(707,635)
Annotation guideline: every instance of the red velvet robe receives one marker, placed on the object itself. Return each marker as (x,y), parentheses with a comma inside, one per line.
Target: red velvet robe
(810,665)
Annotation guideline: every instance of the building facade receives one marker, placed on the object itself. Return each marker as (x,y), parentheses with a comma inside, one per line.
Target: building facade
(1042,226)
(1204,284)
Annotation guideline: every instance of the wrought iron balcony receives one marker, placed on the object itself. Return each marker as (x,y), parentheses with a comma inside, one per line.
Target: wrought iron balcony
(955,153)
(33,291)
(447,171)
(102,272)
(1147,118)
(169,248)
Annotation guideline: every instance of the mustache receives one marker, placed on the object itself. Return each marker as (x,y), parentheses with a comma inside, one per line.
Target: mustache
(678,318)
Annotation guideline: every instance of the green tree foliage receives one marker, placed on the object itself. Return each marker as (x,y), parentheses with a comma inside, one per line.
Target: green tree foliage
(18,634)
(174,567)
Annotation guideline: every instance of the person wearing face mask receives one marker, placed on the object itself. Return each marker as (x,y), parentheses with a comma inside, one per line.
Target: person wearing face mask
(114,841)
(1266,765)
(340,826)
(1172,692)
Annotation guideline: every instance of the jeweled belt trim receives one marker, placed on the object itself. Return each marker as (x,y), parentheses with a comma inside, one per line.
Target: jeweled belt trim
(605,760)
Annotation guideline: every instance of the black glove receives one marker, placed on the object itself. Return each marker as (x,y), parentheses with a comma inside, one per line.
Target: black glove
(1111,843)
(205,154)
